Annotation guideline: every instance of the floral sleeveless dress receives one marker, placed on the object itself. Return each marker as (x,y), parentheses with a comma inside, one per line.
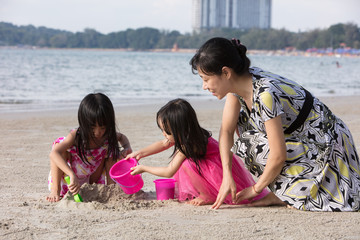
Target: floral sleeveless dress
(83,170)
(321,172)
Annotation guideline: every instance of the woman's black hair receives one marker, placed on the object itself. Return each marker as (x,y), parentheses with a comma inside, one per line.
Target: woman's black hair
(96,108)
(178,119)
(217,53)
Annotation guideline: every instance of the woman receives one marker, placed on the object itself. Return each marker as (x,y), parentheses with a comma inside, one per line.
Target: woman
(289,139)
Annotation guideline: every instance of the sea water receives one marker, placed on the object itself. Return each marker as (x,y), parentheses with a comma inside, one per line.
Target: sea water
(60,78)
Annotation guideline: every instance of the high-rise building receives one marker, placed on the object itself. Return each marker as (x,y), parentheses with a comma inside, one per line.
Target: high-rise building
(241,14)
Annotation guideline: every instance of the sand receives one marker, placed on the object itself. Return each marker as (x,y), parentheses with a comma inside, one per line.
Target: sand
(108,213)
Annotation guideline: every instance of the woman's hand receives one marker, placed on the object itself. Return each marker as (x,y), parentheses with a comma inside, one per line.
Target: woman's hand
(226,141)
(136,170)
(227,186)
(246,194)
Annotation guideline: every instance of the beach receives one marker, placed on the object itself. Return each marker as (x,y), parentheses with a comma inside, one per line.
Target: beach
(107,213)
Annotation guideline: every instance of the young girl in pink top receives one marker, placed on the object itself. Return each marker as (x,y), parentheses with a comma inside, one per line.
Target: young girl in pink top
(196,163)
(88,152)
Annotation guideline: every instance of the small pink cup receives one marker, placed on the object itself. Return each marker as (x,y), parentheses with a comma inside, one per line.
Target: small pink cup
(120,173)
(165,189)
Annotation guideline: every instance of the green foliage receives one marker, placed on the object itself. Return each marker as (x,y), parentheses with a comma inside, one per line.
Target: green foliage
(149,38)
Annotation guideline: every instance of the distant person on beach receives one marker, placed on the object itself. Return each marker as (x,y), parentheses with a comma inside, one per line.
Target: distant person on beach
(88,152)
(288,138)
(196,163)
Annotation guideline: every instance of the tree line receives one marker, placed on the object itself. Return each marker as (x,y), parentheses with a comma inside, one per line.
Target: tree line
(335,36)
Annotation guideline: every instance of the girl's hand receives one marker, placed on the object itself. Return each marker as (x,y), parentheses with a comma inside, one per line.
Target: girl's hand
(74,186)
(136,170)
(125,152)
(227,186)
(137,155)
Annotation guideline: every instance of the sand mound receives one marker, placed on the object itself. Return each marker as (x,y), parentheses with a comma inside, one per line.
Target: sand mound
(110,197)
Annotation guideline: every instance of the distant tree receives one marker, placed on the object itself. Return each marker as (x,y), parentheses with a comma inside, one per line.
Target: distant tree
(91,38)
(168,39)
(143,38)
(114,40)
(76,41)
(150,38)
(58,41)
(7,34)
(255,38)
(337,34)
(352,35)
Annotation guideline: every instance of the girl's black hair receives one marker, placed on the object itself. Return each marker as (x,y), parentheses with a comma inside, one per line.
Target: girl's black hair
(217,53)
(96,108)
(178,119)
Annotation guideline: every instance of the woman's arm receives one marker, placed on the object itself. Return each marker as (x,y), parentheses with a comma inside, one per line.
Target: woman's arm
(167,171)
(154,148)
(226,140)
(274,163)
(277,155)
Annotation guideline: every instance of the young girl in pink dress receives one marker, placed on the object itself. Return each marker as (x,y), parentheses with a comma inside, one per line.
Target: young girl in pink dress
(88,152)
(196,163)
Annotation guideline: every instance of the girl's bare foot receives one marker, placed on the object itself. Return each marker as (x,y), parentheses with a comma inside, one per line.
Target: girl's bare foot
(198,202)
(54,196)
(269,200)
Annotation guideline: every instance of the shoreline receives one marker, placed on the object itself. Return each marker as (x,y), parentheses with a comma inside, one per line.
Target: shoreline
(36,108)
(276,52)
(8,108)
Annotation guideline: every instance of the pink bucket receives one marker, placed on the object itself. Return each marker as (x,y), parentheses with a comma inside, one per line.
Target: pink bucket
(120,173)
(165,189)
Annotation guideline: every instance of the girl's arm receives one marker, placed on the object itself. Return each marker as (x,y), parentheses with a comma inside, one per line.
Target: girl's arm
(226,140)
(167,171)
(125,143)
(154,148)
(56,157)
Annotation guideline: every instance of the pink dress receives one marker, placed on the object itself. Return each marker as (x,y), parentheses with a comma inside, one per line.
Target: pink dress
(83,170)
(191,184)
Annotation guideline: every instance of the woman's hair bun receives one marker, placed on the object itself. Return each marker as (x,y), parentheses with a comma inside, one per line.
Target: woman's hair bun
(241,48)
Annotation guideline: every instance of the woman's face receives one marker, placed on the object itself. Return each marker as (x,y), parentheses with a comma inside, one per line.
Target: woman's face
(214,84)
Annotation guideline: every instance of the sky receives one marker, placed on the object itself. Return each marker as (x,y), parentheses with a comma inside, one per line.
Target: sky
(107,16)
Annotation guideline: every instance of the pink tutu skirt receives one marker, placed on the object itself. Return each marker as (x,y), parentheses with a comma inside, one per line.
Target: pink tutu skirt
(190,183)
